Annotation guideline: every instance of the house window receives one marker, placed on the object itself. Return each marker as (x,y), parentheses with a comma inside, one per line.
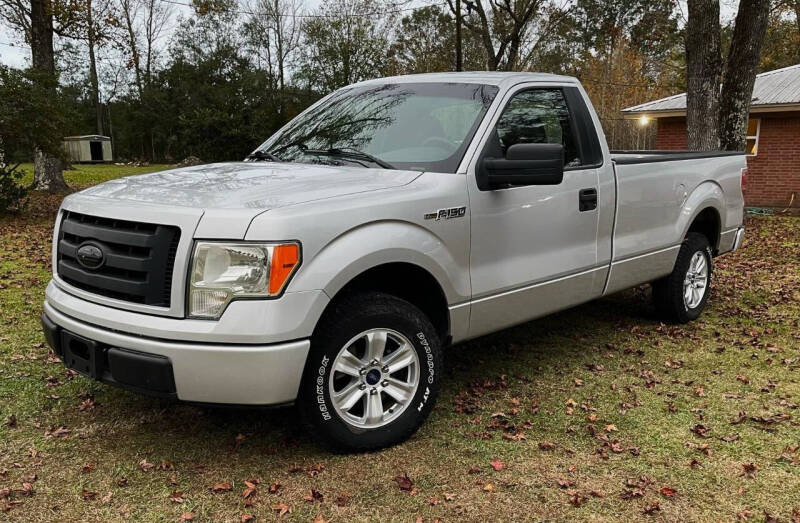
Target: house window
(753,128)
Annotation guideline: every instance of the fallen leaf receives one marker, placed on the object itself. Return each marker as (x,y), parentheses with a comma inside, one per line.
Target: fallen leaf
(749,469)
(343,499)
(282,508)
(702,431)
(668,492)
(488,487)
(404,482)
(314,495)
(652,507)
(221,487)
(187,516)
(88,495)
(145,465)
(498,465)
(546,445)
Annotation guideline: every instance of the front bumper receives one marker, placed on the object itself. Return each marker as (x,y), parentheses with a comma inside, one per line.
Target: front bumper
(235,374)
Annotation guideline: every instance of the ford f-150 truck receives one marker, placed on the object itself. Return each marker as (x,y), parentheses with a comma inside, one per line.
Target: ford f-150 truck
(392,218)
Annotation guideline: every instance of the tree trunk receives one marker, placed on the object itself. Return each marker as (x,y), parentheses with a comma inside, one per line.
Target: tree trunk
(703,70)
(127,10)
(42,55)
(48,173)
(740,73)
(459,56)
(91,41)
(47,169)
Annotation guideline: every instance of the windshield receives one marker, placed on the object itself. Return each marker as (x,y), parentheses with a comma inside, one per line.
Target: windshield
(425,126)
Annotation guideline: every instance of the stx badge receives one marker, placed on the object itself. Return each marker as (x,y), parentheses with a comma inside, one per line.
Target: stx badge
(446,214)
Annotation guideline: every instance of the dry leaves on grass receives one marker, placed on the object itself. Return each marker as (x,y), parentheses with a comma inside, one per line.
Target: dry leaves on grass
(404,482)
(498,465)
(282,509)
(221,487)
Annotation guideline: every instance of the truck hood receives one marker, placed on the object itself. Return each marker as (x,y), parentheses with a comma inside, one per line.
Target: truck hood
(257,186)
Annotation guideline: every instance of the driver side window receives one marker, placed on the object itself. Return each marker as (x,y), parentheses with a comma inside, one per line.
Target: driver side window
(538,116)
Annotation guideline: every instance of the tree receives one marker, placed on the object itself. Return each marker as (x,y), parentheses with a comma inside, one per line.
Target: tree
(426,42)
(32,115)
(506,29)
(39,20)
(781,46)
(342,46)
(718,117)
(703,74)
(740,72)
(273,33)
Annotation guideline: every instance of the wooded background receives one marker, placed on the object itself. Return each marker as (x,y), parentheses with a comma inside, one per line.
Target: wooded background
(213,78)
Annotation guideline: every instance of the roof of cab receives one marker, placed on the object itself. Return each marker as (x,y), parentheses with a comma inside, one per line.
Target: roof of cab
(473,77)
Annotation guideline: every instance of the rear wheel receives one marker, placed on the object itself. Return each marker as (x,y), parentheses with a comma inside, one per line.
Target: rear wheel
(372,375)
(682,296)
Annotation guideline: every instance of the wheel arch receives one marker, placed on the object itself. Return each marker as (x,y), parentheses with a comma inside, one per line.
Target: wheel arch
(407,281)
(702,212)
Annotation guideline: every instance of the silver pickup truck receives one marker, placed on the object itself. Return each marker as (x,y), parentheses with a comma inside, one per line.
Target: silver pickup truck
(391,219)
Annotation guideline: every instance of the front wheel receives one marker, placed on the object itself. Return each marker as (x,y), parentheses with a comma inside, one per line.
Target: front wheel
(682,296)
(372,375)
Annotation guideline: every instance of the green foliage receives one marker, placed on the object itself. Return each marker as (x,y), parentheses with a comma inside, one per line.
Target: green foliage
(32,114)
(341,49)
(211,101)
(426,43)
(13,195)
(781,43)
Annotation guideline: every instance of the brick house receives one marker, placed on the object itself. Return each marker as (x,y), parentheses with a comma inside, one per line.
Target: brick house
(773,135)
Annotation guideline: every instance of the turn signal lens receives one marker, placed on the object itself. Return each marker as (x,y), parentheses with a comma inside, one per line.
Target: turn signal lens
(284,259)
(745,173)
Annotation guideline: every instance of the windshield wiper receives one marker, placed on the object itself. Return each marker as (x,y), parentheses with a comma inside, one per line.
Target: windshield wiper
(263,155)
(349,153)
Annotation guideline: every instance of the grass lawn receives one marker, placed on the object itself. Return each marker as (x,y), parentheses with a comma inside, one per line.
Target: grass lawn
(84,175)
(598,413)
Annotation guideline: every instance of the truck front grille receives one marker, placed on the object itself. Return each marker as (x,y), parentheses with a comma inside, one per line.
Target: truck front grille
(137,258)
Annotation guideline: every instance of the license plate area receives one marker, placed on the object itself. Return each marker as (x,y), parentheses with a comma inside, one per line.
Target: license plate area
(81,354)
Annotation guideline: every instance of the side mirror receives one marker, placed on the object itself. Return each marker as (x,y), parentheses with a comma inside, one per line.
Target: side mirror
(525,164)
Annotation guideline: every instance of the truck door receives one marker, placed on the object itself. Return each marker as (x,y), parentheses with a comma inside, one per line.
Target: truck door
(534,249)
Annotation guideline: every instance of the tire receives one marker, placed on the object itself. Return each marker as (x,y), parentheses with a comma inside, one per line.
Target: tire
(332,380)
(674,303)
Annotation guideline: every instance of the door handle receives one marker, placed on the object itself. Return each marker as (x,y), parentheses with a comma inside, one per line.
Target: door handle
(587,199)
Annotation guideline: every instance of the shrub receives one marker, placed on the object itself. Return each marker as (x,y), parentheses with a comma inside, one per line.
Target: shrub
(13,195)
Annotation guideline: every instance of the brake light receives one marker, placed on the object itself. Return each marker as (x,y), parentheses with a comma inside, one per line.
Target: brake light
(745,173)
(284,259)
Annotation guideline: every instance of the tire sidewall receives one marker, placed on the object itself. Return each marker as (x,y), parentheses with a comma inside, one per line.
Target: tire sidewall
(695,244)
(315,391)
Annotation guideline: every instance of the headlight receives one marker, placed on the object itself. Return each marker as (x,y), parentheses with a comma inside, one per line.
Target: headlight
(222,272)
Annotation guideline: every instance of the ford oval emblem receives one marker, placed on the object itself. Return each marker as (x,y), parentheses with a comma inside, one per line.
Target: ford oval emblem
(90,255)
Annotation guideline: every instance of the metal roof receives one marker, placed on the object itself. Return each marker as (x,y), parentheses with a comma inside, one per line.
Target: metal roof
(773,88)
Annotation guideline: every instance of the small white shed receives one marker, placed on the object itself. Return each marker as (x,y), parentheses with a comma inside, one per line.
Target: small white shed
(91,148)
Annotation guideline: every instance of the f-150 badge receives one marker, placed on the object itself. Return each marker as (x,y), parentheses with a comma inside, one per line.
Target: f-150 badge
(447,214)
